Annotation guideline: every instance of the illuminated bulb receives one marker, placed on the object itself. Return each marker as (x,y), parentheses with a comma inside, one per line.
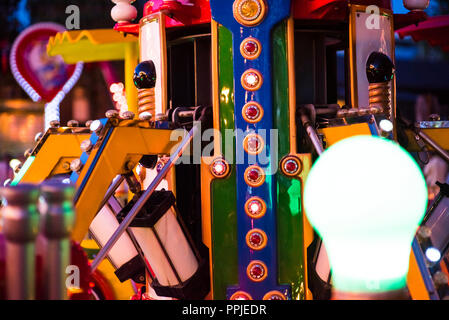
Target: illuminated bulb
(252,79)
(114,88)
(219,168)
(368,229)
(117,96)
(14,163)
(386,127)
(255,207)
(433,254)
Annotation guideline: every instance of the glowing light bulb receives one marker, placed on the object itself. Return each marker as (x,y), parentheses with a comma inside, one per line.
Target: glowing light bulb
(433,254)
(386,127)
(114,88)
(14,163)
(366,197)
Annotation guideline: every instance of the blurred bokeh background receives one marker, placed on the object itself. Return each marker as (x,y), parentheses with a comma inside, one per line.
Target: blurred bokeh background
(422,73)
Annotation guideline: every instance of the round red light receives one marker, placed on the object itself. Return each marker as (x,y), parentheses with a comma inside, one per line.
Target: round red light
(291,166)
(251,47)
(253,175)
(252,112)
(257,271)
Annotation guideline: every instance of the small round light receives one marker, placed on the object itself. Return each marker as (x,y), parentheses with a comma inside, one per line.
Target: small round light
(433,254)
(252,80)
(14,163)
(291,166)
(255,208)
(250,48)
(253,144)
(76,165)
(241,295)
(254,176)
(219,168)
(274,295)
(252,112)
(256,239)
(96,126)
(66,181)
(86,145)
(257,271)
(249,12)
(114,88)
(386,127)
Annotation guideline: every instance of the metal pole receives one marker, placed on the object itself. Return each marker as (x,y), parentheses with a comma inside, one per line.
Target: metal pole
(144,198)
(441,152)
(21,225)
(58,220)
(311,132)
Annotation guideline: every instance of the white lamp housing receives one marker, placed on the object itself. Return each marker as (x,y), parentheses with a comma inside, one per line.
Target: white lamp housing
(414,5)
(123,11)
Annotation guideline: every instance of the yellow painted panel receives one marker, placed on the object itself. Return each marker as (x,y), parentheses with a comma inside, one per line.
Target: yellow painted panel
(439,135)
(55,151)
(335,134)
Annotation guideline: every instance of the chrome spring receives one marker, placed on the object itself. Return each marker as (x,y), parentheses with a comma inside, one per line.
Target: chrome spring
(146,103)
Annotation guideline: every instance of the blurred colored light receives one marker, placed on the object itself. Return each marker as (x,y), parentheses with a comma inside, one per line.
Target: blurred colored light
(433,254)
(368,228)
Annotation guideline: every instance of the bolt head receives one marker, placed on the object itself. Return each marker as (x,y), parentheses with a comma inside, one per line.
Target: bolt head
(146,116)
(54,124)
(86,145)
(112,114)
(73,124)
(127,115)
(76,165)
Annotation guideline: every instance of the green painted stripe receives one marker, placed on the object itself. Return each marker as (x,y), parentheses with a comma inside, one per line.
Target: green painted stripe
(289,211)
(223,191)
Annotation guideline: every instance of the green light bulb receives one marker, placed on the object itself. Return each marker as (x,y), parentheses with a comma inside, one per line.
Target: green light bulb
(366,197)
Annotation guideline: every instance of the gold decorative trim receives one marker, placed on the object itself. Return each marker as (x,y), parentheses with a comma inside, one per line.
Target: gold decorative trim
(291,81)
(271,294)
(252,21)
